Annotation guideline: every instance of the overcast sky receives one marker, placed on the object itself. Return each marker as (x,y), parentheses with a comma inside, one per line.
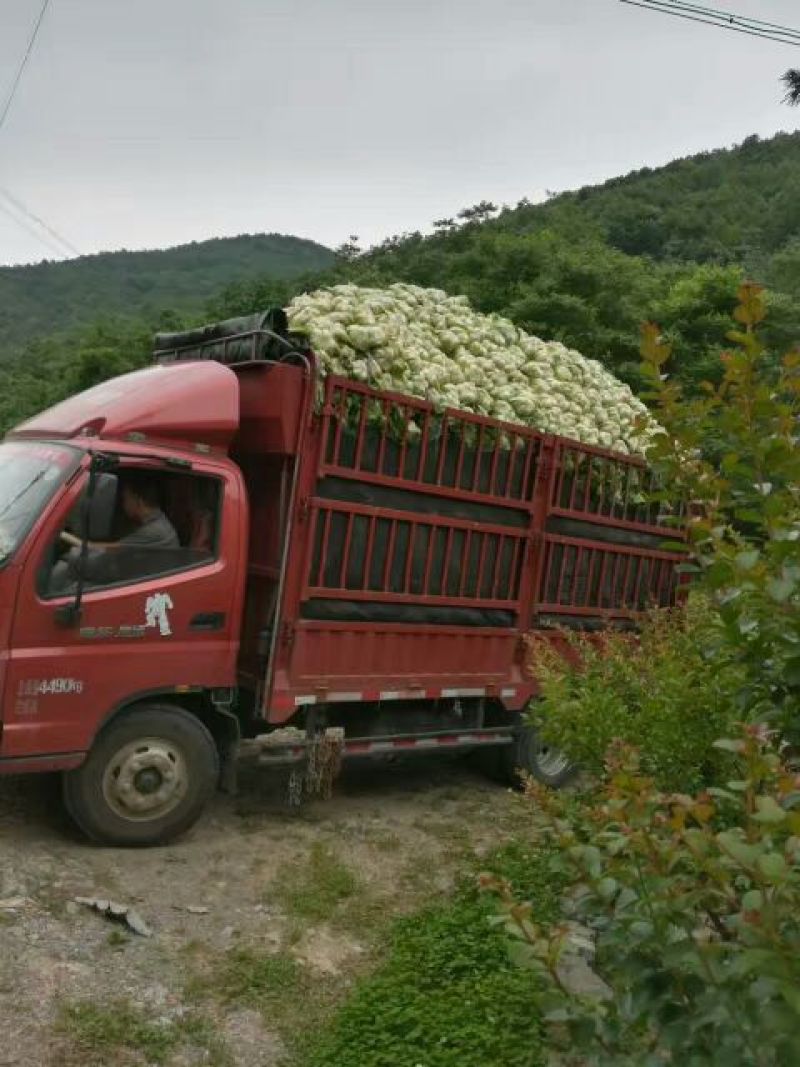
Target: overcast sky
(148,123)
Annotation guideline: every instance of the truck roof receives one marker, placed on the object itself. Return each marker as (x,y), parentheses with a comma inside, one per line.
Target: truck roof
(181,402)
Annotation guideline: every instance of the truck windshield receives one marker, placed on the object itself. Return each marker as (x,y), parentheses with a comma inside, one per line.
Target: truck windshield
(30,472)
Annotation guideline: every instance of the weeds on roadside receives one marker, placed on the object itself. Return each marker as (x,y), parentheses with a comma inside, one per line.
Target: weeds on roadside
(291,999)
(97,1034)
(446,994)
(316,889)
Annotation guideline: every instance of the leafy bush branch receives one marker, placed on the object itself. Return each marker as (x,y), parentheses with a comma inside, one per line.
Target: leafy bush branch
(694,902)
(733,451)
(659,691)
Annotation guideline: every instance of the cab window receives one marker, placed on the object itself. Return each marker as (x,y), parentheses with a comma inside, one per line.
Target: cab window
(160,522)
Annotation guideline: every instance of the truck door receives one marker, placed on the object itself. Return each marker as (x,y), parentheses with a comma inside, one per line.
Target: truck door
(160,611)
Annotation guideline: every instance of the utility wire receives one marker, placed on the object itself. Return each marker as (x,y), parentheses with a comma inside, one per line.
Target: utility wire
(35,226)
(23,64)
(38,220)
(722,20)
(725,18)
(38,223)
(40,237)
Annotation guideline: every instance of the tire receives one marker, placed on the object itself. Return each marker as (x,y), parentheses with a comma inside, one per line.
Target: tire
(530,756)
(147,778)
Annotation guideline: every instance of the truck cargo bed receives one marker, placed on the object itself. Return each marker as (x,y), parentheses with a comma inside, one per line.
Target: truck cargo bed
(427,544)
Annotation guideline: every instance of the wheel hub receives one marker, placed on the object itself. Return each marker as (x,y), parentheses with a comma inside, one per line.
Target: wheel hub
(551,761)
(148,780)
(145,779)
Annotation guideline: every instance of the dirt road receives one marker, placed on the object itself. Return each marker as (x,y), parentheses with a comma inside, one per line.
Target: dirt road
(258,897)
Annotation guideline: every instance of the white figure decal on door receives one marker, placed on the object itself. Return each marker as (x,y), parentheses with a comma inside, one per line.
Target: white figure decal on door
(155,612)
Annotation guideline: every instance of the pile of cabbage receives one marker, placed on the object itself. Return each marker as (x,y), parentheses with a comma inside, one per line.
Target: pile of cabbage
(431,345)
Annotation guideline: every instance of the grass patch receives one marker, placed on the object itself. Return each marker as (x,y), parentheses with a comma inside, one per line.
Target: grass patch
(99,1033)
(314,890)
(258,980)
(290,999)
(447,994)
(201,1032)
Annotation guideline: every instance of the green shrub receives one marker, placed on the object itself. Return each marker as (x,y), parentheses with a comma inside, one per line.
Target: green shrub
(734,453)
(447,995)
(659,693)
(697,928)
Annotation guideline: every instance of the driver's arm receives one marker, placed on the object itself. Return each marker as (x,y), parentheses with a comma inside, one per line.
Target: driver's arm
(75,542)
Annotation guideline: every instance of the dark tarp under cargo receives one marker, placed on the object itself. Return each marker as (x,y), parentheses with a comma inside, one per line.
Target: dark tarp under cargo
(264,335)
(496,579)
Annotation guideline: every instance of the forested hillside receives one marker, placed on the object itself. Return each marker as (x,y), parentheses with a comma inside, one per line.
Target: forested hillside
(740,206)
(669,245)
(586,268)
(48,297)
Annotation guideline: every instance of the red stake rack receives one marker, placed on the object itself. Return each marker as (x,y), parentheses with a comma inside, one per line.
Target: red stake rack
(428,543)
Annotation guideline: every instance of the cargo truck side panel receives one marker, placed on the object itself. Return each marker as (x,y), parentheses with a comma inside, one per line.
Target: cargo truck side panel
(428,544)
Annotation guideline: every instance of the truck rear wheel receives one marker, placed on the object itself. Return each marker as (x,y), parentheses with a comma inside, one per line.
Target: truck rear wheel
(531,755)
(147,778)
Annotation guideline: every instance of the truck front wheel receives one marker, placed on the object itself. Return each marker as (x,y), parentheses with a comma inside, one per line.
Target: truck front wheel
(147,778)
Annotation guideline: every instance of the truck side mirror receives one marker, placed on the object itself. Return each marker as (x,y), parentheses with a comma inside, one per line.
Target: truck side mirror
(102,506)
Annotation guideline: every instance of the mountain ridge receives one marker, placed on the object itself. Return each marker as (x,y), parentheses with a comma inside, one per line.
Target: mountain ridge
(52,296)
(669,245)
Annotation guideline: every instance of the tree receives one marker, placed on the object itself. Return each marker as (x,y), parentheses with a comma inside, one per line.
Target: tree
(791,80)
(480,212)
(349,250)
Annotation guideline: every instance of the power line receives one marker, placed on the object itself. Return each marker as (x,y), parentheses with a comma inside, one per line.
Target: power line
(33,232)
(721,19)
(23,63)
(728,16)
(17,203)
(54,238)
(35,226)
(726,20)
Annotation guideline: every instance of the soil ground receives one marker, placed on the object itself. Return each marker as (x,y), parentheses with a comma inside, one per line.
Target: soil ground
(262,916)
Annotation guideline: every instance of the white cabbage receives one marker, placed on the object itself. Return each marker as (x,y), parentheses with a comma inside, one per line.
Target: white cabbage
(428,344)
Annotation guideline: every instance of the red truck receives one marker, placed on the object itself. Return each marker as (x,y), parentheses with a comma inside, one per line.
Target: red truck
(348,562)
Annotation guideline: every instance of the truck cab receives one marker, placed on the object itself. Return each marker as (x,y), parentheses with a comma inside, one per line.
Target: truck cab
(97,637)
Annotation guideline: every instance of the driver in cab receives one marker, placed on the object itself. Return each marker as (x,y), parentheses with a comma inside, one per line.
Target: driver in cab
(149,529)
